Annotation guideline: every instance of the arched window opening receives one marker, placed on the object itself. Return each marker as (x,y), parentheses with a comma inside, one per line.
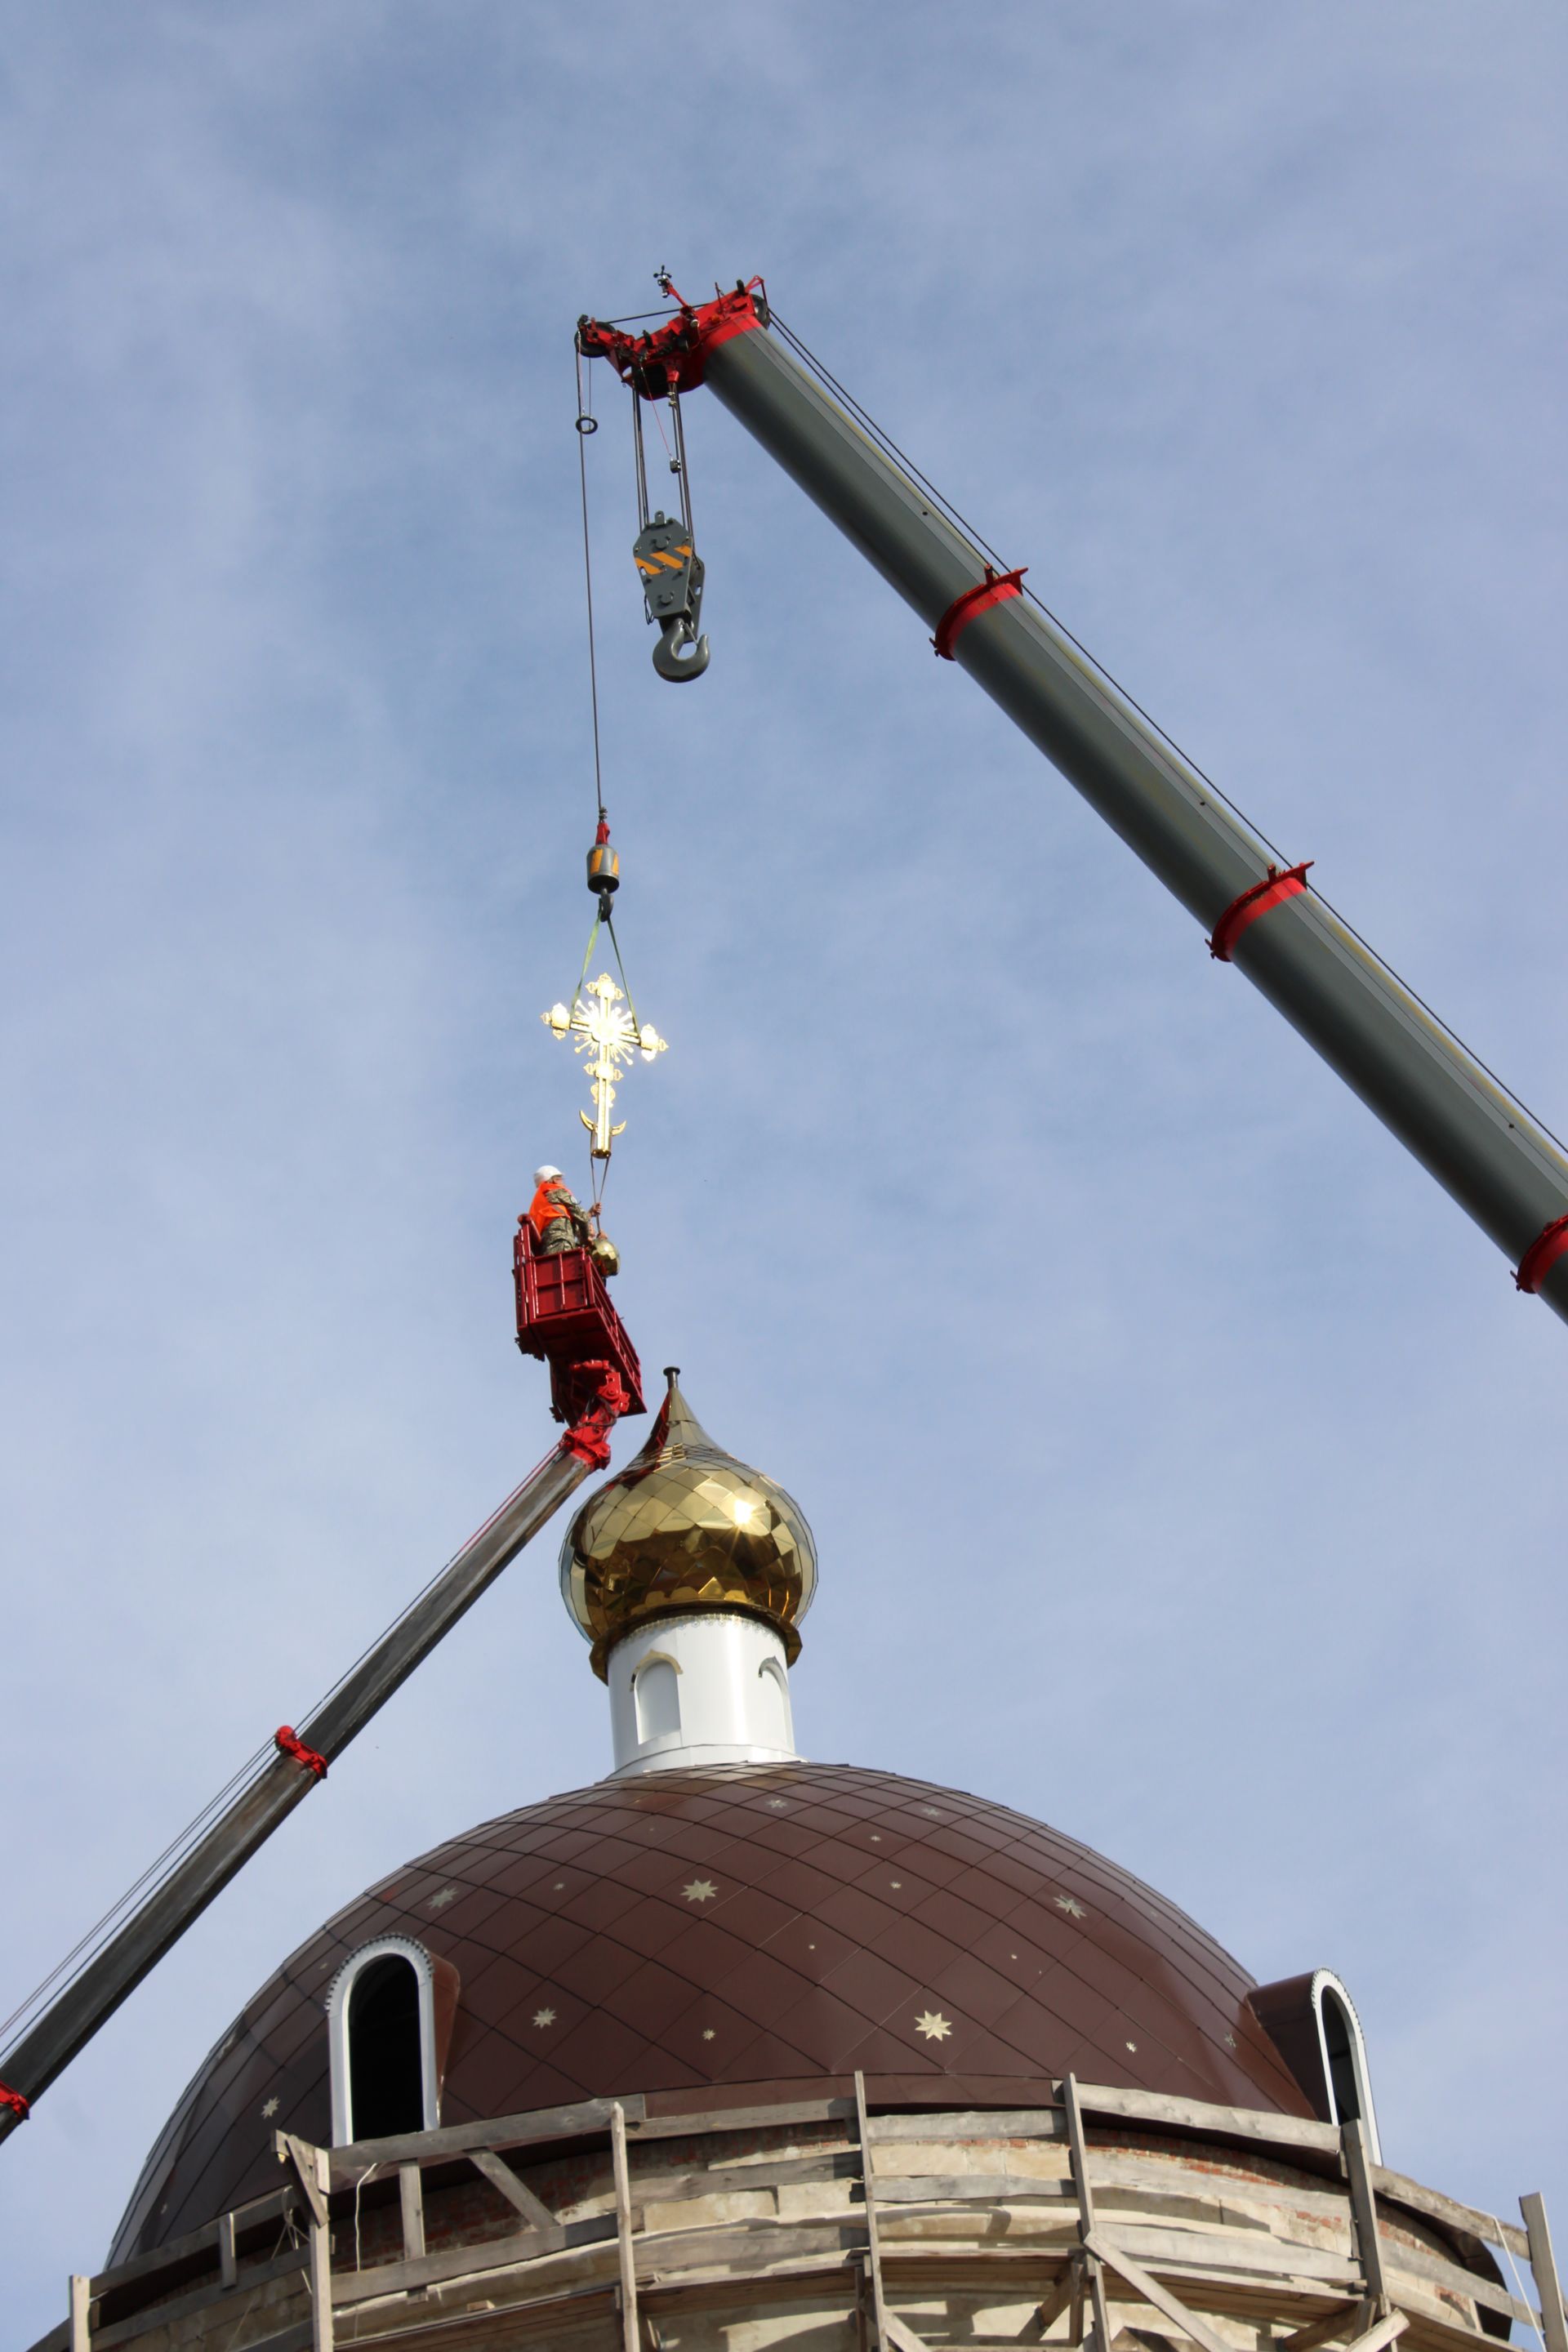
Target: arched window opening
(1341,2048)
(657,1693)
(1344,2052)
(773,1713)
(381,2038)
(386,2085)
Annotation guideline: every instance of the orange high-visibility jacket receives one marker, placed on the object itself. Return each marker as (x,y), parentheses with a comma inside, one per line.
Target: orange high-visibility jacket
(552,1201)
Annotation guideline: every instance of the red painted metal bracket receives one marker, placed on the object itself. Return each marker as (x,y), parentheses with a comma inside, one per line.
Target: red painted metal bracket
(674,357)
(288,1742)
(1277,885)
(1550,1243)
(20,2108)
(589,1439)
(995,589)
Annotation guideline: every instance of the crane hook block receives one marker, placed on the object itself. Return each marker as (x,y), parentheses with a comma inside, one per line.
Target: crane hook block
(671,573)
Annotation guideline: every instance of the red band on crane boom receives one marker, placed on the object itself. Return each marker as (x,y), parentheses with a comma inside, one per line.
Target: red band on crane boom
(20,2108)
(1548,1245)
(291,1744)
(995,589)
(1275,886)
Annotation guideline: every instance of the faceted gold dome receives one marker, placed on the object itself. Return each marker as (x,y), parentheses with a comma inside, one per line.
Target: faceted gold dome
(686,1527)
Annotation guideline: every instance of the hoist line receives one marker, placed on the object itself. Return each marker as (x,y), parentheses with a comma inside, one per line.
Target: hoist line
(620,966)
(890,448)
(588,584)
(158,1872)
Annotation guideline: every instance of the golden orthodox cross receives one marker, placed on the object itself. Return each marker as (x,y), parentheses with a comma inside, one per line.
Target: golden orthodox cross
(600,1025)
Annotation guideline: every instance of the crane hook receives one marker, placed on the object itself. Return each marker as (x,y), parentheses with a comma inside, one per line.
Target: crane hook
(666,657)
(670,571)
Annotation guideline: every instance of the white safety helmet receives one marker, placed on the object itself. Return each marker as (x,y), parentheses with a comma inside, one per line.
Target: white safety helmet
(543,1175)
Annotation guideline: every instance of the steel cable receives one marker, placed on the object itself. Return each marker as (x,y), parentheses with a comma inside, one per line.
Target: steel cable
(891,450)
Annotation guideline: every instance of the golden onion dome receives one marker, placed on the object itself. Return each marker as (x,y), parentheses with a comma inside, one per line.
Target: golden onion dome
(686,1527)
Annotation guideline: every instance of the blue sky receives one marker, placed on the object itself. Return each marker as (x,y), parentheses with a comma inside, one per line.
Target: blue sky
(1204,1493)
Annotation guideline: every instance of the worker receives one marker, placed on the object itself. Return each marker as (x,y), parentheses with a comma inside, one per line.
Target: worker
(558,1219)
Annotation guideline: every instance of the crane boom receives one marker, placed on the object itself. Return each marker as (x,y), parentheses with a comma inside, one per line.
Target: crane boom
(1481,1145)
(91,1997)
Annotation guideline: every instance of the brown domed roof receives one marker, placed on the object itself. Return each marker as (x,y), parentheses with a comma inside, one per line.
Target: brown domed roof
(744,1930)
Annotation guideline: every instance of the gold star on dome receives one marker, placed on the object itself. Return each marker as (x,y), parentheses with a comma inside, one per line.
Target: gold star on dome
(707,2034)
(701,1890)
(269,2109)
(1070,1905)
(933,2025)
(544,2017)
(439,1902)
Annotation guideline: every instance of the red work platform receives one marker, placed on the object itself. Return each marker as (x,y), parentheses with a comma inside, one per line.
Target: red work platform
(565,1319)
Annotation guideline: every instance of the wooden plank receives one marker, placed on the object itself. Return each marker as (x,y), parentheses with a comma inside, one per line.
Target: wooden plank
(746,2247)
(969,2188)
(1383,2334)
(1231,2251)
(1197,2115)
(318,2278)
(411,2199)
(199,2298)
(80,2315)
(726,2180)
(733,2119)
(630,2330)
(1078,2152)
(1078,2155)
(1149,2290)
(260,2210)
(301,2157)
(1356,2155)
(1450,2334)
(516,2192)
(1543,2262)
(453,2262)
(1124,2168)
(1402,2190)
(901,2338)
(1419,2262)
(538,2125)
(873,2251)
(973,2123)
(1048,2313)
(1323,2331)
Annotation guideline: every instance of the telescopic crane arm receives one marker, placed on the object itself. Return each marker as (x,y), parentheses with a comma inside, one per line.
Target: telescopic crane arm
(91,1997)
(1479,1144)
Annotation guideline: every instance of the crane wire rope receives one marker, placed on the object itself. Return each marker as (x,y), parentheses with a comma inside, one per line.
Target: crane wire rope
(889,448)
(158,1872)
(586,424)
